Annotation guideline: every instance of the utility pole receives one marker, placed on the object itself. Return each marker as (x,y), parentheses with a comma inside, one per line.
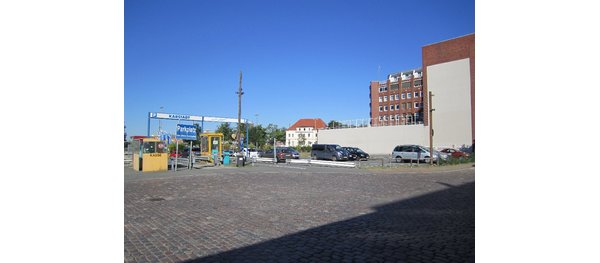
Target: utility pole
(431,109)
(239,93)
(159,127)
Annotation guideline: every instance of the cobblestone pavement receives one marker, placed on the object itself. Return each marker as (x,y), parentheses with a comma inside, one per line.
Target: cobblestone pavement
(280,213)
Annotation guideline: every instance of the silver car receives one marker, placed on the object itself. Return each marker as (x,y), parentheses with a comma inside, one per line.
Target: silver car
(413,153)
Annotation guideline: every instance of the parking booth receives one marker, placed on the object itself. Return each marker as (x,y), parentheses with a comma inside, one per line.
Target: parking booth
(211,146)
(150,154)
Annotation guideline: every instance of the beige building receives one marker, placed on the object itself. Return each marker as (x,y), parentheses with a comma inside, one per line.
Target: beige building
(305,132)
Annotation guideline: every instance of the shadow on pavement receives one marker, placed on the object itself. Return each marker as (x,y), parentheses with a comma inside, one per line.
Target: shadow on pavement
(437,227)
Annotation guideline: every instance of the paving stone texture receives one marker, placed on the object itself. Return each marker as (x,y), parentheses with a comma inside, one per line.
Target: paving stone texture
(278,213)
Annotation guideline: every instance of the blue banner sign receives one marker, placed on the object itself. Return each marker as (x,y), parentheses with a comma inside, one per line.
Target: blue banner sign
(186,132)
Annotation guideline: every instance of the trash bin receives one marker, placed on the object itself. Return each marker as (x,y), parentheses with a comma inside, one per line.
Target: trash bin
(226,157)
(240,161)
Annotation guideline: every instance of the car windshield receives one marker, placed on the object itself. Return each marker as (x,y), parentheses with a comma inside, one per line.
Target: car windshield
(359,150)
(339,148)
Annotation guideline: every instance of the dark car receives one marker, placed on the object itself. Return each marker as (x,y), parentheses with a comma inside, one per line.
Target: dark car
(332,152)
(357,154)
(186,152)
(281,154)
(293,154)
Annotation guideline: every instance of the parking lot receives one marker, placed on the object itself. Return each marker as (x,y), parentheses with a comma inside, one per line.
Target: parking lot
(299,213)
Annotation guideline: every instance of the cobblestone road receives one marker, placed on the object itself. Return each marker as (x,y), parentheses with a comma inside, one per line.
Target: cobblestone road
(299,214)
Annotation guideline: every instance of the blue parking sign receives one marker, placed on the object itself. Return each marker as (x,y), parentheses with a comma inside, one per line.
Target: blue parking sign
(186,132)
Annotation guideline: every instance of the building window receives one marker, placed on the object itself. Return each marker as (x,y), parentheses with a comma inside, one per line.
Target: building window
(380,99)
(384,98)
(379,118)
(391,117)
(418,83)
(416,94)
(385,117)
(403,95)
(380,108)
(409,105)
(397,107)
(382,87)
(391,97)
(396,96)
(416,105)
(403,106)
(420,94)
(406,84)
(394,86)
(384,108)
(408,95)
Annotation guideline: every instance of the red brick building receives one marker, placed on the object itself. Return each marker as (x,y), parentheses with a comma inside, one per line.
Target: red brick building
(397,100)
(448,70)
(444,54)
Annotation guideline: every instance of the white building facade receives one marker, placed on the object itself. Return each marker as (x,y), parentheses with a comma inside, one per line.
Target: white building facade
(305,132)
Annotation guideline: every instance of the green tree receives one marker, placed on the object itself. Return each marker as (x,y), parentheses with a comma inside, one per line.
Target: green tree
(301,139)
(257,135)
(226,130)
(334,124)
(272,131)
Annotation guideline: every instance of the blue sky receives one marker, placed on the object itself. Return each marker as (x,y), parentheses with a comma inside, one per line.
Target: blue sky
(300,59)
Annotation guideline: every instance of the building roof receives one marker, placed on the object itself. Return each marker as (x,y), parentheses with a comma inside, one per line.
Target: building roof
(315,123)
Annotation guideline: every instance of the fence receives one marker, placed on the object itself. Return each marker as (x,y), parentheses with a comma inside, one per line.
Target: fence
(372,122)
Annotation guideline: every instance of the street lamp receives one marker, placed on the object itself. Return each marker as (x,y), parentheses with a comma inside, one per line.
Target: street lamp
(159,127)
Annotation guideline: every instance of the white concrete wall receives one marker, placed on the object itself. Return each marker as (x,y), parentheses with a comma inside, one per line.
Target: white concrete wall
(450,84)
(377,140)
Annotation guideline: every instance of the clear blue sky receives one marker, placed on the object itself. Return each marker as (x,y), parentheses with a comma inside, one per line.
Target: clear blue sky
(300,59)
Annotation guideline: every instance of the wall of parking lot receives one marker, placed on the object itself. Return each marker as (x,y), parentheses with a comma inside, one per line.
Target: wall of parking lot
(382,140)
(377,140)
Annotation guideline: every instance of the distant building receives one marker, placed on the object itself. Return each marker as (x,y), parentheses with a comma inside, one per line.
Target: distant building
(397,100)
(304,132)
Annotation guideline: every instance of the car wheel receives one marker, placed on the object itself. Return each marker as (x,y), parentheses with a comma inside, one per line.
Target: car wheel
(333,158)
(313,157)
(398,158)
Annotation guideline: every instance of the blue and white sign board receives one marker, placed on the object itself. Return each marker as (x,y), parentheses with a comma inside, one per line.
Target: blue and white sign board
(185,117)
(186,132)
(165,138)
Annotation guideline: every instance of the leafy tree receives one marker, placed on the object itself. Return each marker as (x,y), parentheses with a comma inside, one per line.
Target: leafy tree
(226,130)
(301,139)
(274,132)
(257,135)
(334,124)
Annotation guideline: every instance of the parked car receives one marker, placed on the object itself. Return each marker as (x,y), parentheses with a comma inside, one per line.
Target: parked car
(449,152)
(332,152)
(293,153)
(186,152)
(250,153)
(413,153)
(280,153)
(172,154)
(356,154)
